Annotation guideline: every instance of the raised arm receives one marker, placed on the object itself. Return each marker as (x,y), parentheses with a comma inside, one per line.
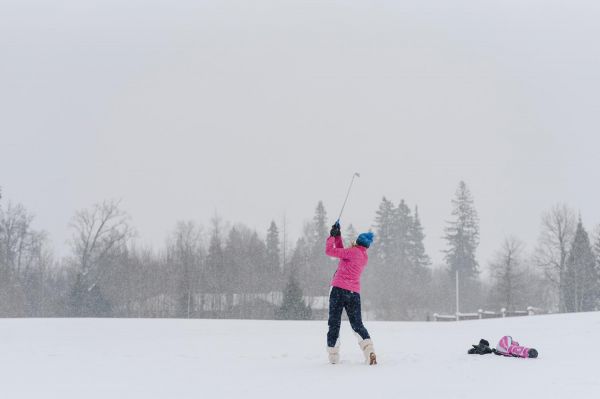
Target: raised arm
(335,247)
(339,243)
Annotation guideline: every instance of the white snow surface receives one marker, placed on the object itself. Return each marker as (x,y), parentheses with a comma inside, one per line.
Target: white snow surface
(156,358)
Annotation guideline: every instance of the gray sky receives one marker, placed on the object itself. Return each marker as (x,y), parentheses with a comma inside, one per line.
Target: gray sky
(256,109)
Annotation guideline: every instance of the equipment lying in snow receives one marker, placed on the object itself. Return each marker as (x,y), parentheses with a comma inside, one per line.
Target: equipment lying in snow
(482,349)
(506,347)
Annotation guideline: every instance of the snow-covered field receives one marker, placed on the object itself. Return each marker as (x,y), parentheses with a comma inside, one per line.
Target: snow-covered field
(124,358)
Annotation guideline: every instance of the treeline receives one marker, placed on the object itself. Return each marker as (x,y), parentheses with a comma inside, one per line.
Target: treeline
(232,271)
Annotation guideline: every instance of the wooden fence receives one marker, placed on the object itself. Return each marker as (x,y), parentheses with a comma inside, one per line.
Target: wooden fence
(487,314)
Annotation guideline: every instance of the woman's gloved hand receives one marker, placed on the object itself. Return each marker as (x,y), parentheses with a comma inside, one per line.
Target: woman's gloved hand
(335,230)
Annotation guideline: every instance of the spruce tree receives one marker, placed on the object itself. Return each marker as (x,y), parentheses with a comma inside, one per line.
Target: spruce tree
(381,278)
(420,275)
(273,258)
(293,306)
(596,247)
(597,254)
(397,276)
(320,226)
(385,232)
(84,302)
(581,285)
(418,256)
(403,223)
(256,257)
(321,266)
(462,235)
(299,263)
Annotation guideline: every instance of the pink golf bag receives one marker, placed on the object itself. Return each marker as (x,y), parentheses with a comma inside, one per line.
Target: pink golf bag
(508,347)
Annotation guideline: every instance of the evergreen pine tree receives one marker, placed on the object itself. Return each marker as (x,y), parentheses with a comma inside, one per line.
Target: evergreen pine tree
(412,261)
(597,245)
(384,229)
(84,302)
(581,285)
(394,281)
(235,264)
(381,277)
(233,257)
(320,227)
(321,266)
(299,263)
(597,255)
(403,223)
(273,258)
(416,297)
(256,257)
(462,235)
(418,256)
(293,306)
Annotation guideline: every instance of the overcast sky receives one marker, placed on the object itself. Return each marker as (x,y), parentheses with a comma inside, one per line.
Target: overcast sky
(256,109)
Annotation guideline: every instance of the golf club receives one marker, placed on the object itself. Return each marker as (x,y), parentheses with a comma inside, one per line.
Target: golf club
(356,174)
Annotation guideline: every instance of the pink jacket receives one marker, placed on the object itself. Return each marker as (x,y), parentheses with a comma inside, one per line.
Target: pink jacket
(352,263)
(508,347)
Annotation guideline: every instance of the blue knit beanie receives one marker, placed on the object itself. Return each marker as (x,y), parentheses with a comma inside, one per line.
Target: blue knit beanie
(365,239)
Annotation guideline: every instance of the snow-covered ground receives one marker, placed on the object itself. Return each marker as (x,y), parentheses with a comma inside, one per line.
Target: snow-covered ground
(124,358)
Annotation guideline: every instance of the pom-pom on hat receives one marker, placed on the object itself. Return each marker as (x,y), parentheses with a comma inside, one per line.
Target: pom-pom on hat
(365,239)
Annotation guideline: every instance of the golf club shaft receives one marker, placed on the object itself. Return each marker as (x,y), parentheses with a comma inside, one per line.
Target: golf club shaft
(347,194)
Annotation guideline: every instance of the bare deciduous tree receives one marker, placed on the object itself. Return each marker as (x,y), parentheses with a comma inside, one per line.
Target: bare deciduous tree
(558,231)
(100,234)
(507,270)
(185,256)
(16,238)
(24,263)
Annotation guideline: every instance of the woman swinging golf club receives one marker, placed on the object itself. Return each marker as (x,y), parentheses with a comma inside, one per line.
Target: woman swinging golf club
(345,288)
(345,292)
